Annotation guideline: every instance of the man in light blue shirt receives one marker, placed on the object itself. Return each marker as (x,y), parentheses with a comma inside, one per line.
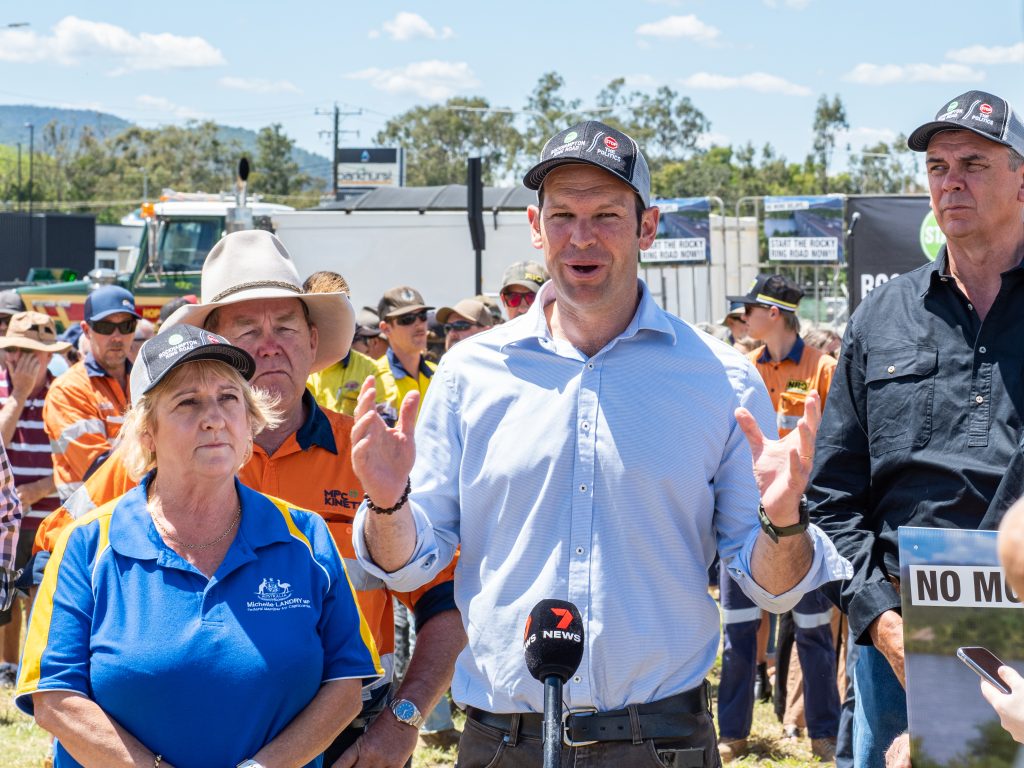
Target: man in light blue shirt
(596,450)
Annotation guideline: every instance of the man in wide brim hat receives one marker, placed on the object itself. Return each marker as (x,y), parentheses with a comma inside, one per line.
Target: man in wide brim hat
(254,264)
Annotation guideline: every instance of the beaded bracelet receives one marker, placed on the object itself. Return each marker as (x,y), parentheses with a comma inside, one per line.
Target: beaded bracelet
(396,507)
(157,759)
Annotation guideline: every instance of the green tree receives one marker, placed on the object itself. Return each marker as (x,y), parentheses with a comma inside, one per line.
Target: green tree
(885,168)
(438,140)
(275,172)
(549,112)
(829,119)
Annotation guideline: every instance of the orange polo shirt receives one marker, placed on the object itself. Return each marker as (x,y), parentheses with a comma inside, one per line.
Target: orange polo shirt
(312,469)
(790,379)
(82,414)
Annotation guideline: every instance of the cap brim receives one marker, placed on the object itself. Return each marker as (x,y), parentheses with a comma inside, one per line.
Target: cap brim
(407,311)
(118,311)
(918,140)
(742,299)
(19,342)
(331,313)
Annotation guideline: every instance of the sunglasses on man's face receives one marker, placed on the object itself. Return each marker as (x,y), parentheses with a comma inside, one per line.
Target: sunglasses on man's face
(106,327)
(412,317)
(513,299)
(459,325)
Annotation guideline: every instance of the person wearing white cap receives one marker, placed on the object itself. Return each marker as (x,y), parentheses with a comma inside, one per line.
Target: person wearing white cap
(252,295)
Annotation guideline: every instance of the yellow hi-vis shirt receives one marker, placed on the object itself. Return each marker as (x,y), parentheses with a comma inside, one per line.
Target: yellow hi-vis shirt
(336,387)
(399,382)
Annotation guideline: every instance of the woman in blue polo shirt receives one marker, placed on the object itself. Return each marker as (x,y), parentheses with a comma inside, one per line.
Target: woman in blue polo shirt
(194,621)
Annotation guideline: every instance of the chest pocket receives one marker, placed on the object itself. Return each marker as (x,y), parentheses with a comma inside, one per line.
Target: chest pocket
(900,384)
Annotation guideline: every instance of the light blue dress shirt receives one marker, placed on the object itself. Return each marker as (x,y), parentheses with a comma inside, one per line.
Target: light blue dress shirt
(607,481)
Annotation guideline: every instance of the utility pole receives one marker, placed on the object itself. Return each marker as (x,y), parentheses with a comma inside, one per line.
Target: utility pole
(335,135)
(19,176)
(31,152)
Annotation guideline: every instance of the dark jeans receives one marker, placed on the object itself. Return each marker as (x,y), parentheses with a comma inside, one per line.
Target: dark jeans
(482,746)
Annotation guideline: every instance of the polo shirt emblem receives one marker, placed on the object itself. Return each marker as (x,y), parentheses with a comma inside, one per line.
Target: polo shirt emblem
(275,595)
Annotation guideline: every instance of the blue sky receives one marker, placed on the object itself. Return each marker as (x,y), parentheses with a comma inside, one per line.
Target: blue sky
(755,67)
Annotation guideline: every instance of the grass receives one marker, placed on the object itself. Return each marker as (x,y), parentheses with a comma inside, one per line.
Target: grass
(23,745)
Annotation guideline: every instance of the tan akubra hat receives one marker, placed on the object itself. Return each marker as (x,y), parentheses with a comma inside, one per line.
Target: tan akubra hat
(32,330)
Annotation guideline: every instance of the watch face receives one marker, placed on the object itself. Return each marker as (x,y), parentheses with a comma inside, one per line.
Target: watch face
(405,710)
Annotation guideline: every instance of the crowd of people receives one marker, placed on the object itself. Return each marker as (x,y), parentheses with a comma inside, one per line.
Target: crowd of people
(272,530)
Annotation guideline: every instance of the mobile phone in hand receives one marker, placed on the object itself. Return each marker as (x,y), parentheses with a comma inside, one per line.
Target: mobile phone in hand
(985,663)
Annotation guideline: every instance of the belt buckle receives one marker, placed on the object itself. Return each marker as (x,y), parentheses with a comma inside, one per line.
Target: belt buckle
(566,738)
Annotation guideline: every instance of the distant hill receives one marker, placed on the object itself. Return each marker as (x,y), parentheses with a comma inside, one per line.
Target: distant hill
(14,117)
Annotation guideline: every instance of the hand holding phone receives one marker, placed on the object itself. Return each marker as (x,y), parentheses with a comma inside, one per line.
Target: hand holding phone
(985,663)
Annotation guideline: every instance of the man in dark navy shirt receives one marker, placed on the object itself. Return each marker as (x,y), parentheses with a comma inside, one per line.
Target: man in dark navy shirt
(927,406)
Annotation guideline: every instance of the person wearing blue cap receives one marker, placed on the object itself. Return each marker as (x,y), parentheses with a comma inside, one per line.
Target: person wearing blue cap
(85,406)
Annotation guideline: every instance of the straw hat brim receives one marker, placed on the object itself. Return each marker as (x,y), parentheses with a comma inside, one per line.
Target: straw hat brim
(21,342)
(331,313)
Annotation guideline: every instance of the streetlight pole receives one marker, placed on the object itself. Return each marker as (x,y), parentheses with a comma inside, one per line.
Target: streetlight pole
(31,152)
(19,176)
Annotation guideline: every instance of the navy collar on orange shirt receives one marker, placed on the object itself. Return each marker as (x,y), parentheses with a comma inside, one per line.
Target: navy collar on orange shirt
(316,429)
(794,354)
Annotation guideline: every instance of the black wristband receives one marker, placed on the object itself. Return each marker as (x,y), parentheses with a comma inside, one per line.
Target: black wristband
(398,504)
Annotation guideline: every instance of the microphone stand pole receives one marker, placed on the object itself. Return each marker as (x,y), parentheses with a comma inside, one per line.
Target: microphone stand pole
(552,721)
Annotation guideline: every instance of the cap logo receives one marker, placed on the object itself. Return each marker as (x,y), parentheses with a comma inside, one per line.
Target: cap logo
(408,295)
(952,105)
(125,303)
(570,136)
(611,143)
(985,109)
(534,278)
(175,339)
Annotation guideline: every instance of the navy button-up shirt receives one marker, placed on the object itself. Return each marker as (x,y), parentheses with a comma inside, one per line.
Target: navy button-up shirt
(923,418)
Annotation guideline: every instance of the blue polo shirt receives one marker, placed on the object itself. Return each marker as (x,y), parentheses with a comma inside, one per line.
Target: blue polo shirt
(202,671)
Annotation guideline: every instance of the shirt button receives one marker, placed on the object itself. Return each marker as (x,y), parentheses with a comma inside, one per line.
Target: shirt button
(586,424)
(891,369)
(982,350)
(970,306)
(579,550)
(944,279)
(583,488)
(577,679)
(590,366)
(979,399)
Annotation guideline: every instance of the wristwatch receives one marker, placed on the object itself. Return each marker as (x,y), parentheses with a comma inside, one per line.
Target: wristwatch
(407,712)
(248,763)
(774,532)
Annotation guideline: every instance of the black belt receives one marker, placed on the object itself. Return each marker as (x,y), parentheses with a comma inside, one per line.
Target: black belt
(677,717)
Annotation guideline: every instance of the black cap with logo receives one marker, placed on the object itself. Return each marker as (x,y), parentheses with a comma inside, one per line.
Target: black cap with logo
(183,344)
(772,291)
(594,143)
(985,114)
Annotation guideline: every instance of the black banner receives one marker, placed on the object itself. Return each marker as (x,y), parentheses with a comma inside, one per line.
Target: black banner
(889,237)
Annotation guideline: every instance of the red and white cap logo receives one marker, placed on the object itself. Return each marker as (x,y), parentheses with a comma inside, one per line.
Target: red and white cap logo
(611,143)
(985,109)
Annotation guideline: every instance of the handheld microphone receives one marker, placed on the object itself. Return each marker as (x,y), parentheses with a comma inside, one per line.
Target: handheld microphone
(553,644)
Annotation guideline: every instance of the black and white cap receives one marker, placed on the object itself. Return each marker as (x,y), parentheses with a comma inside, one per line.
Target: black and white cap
(982,113)
(183,344)
(594,143)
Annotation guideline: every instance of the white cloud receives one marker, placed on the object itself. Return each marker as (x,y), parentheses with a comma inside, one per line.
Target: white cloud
(410,26)
(74,39)
(433,80)
(673,27)
(887,74)
(761,82)
(257,85)
(863,136)
(984,54)
(166,106)
(712,139)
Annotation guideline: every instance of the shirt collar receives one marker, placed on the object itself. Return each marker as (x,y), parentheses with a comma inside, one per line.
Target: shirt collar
(534,324)
(93,368)
(316,429)
(795,353)
(133,533)
(938,271)
(398,370)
